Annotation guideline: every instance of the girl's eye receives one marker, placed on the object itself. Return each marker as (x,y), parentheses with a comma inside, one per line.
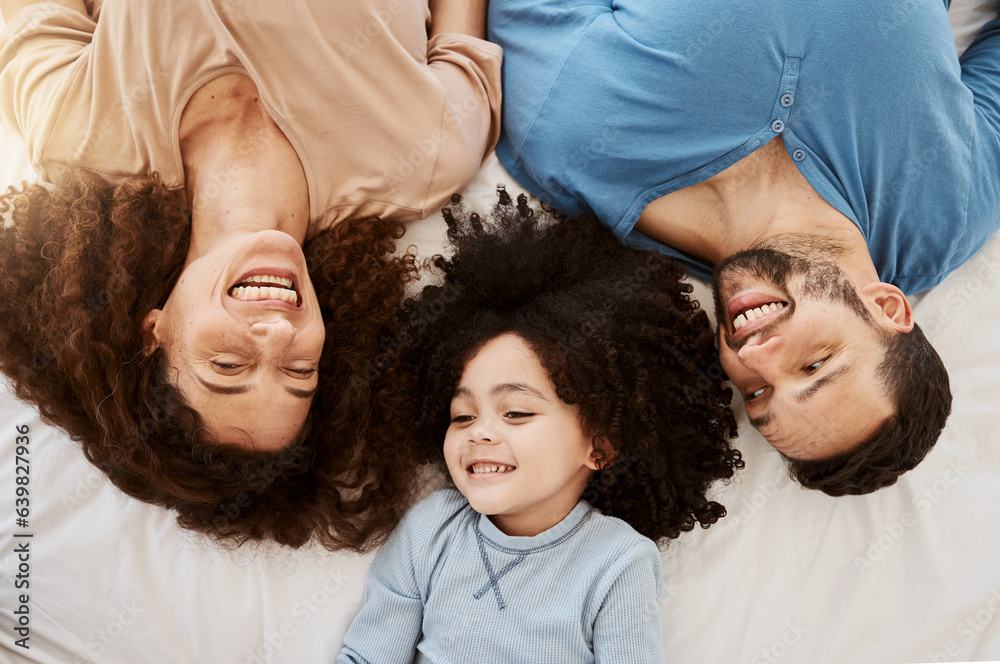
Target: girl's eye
(518,415)
(754,395)
(462,419)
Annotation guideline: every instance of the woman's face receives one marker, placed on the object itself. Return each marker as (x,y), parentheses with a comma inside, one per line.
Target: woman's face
(243,333)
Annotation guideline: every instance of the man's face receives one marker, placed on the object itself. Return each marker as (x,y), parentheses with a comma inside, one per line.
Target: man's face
(802,347)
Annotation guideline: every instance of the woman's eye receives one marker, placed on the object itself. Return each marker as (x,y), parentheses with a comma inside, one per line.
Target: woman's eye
(226,366)
(754,395)
(303,372)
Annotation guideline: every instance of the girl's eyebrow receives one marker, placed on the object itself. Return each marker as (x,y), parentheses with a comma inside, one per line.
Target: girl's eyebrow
(501,388)
(506,388)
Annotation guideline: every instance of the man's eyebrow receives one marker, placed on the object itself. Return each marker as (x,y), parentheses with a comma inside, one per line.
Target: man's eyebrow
(768,416)
(246,387)
(810,391)
(763,420)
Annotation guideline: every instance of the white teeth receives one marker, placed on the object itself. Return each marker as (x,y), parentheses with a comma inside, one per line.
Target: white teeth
(487,468)
(278,288)
(754,314)
(258,293)
(270,279)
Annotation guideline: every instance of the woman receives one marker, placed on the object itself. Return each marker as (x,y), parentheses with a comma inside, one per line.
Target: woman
(161,308)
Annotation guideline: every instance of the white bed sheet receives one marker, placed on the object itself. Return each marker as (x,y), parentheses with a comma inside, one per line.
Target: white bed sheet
(908,574)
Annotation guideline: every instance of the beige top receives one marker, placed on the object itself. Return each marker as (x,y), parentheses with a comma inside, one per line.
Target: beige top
(385,122)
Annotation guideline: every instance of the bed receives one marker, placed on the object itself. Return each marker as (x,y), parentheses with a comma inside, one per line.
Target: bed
(908,574)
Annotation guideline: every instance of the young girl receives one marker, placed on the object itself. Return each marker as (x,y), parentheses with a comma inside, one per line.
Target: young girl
(568,378)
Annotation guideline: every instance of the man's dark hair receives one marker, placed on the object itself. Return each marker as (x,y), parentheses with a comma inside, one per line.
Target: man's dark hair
(916,381)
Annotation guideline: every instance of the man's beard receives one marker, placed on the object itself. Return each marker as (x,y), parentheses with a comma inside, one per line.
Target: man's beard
(784,261)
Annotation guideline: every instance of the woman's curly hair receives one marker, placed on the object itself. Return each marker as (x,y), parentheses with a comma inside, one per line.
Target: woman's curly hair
(618,335)
(81,265)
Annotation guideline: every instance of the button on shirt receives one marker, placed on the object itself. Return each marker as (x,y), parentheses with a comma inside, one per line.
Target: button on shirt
(611,105)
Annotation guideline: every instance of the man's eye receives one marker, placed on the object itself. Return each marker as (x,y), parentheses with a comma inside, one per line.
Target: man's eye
(754,395)
(812,368)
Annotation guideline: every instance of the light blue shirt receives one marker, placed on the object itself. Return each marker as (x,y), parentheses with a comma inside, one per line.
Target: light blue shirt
(610,104)
(449,586)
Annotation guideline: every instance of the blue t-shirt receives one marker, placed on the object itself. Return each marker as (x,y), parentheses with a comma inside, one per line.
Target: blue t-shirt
(449,586)
(610,104)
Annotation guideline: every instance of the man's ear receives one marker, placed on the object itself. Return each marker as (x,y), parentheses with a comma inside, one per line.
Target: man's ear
(150,341)
(892,304)
(602,454)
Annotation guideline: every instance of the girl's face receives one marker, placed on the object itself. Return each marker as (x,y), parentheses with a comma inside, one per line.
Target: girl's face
(514,449)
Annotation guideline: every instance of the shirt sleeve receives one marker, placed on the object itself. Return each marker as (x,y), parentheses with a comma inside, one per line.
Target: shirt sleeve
(387,628)
(981,75)
(627,628)
(41,50)
(468,70)
(389,625)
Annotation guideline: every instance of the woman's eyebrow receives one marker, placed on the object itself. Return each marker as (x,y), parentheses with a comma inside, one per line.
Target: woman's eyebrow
(246,387)
(300,393)
(225,389)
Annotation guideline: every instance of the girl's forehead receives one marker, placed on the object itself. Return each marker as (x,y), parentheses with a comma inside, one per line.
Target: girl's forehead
(506,363)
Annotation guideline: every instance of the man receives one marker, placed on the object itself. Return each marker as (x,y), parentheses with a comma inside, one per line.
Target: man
(827,157)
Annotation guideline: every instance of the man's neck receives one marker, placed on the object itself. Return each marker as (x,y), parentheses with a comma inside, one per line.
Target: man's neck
(241,173)
(761,196)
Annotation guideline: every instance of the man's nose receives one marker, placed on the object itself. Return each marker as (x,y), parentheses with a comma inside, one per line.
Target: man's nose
(761,355)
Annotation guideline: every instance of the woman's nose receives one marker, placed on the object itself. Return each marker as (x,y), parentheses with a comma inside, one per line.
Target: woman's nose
(274,330)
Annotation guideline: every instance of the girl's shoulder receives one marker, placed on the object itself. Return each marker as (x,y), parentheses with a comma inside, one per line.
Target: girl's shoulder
(446,500)
(617,540)
(443,510)
(618,529)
